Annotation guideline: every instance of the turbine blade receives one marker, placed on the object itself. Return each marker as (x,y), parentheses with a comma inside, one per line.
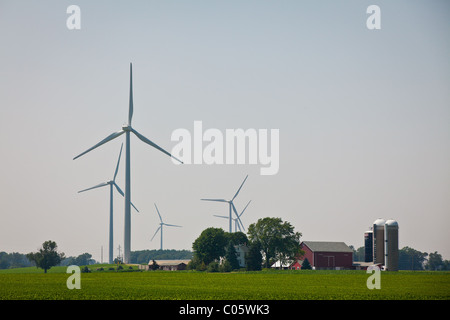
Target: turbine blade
(235,212)
(94,187)
(219,200)
(144,139)
(118,161)
(245,208)
(130,110)
(108,138)
(158,212)
(239,188)
(156,233)
(123,195)
(239,227)
(215,215)
(171,225)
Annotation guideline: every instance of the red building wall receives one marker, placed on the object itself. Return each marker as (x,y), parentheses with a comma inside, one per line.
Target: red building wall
(328,259)
(308,254)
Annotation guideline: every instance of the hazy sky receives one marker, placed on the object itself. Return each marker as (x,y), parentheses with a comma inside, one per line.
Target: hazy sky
(363,116)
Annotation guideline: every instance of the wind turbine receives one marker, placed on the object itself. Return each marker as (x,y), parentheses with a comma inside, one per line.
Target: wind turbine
(230,202)
(161,227)
(126,128)
(111,183)
(237,223)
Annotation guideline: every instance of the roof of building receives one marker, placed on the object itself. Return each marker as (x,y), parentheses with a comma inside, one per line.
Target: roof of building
(169,262)
(327,246)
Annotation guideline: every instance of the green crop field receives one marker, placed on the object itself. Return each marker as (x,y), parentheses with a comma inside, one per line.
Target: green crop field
(32,283)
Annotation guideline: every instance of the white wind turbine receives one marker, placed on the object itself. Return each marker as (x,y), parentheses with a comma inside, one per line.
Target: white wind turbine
(127,129)
(231,204)
(112,183)
(161,227)
(237,223)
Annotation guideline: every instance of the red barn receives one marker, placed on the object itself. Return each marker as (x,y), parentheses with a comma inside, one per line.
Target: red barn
(327,255)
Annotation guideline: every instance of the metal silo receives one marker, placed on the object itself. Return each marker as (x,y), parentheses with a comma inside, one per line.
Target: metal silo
(378,241)
(391,245)
(368,246)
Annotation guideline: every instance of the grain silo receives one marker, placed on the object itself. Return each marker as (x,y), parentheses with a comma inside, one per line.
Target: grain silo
(378,241)
(391,245)
(368,246)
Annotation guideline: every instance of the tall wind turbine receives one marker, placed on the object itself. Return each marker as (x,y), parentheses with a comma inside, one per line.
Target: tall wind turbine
(112,183)
(127,129)
(237,223)
(161,227)
(231,204)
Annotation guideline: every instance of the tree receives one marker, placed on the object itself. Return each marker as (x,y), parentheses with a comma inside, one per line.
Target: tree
(82,259)
(435,261)
(276,239)
(411,259)
(358,254)
(210,245)
(237,238)
(230,256)
(253,259)
(306,265)
(47,256)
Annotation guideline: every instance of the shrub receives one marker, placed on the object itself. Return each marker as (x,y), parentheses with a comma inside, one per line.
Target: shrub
(85,270)
(225,266)
(213,267)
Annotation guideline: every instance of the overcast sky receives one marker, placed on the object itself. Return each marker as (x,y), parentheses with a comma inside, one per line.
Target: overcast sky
(363,117)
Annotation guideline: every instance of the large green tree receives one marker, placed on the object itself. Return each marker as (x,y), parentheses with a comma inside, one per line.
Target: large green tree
(47,257)
(276,239)
(210,245)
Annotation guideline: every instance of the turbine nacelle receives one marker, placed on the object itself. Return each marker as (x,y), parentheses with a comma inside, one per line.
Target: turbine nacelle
(126,127)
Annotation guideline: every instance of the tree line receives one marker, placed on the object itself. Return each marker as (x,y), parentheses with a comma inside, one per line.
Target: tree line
(48,256)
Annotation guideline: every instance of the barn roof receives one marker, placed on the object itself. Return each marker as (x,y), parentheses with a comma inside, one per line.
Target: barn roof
(327,246)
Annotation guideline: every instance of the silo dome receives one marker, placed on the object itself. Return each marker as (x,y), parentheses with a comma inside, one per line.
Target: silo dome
(391,223)
(380,222)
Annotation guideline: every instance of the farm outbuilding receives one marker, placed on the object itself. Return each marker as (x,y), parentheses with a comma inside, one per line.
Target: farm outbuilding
(327,255)
(170,265)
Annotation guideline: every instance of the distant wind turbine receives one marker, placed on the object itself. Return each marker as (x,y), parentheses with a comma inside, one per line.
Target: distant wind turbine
(127,129)
(111,183)
(161,227)
(232,207)
(237,223)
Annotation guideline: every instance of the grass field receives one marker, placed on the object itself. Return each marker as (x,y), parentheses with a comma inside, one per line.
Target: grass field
(32,283)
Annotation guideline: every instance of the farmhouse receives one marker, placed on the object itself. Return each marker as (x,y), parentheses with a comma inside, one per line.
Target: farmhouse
(241,253)
(327,255)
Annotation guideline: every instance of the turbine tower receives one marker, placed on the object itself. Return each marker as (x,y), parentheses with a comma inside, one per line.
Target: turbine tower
(127,129)
(161,227)
(231,205)
(112,183)
(237,223)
